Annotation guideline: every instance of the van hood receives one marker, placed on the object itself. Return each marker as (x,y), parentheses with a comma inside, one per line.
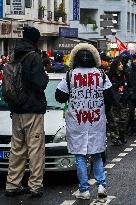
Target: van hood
(53,121)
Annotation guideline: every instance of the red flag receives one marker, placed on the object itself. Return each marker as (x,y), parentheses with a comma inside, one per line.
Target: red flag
(120,44)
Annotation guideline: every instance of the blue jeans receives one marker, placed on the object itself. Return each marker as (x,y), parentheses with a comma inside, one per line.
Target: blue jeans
(82,174)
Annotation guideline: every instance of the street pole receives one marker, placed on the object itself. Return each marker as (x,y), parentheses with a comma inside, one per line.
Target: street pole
(105,41)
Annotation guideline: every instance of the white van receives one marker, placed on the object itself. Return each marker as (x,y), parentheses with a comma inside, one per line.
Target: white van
(57,157)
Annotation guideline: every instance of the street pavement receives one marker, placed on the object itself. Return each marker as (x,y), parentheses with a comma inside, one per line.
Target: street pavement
(59,188)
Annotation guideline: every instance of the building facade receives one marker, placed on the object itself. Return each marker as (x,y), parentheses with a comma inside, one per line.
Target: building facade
(49,15)
(90,12)
(46,15)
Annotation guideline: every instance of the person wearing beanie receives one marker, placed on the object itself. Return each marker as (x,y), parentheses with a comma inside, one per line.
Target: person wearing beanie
(28,136)
(85,116)
(31,34)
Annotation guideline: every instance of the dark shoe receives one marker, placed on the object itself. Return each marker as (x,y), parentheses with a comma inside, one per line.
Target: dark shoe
(15,192)
(10,193)
(37,193)
(117,142)
(124,140)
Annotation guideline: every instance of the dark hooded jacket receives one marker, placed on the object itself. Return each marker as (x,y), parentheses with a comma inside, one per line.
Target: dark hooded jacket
(59,68)
(34,78)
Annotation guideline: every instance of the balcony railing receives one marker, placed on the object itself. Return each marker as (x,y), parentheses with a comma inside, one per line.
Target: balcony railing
(41,12)
(60,14)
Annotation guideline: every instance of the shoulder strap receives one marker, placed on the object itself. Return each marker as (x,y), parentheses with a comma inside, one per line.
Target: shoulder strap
(103,75)
(27,54)
(68,79)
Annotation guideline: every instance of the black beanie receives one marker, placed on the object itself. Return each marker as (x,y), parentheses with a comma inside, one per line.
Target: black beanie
(31,34)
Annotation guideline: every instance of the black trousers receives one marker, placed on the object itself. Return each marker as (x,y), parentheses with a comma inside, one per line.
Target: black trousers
(131,116)
(117,122)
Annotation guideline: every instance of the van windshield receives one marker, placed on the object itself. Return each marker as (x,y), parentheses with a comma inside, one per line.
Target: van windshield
(50,96)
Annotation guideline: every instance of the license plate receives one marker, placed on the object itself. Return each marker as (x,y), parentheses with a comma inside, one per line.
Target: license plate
(4,154)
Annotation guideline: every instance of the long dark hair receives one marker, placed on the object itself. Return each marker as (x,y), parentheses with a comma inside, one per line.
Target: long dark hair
(114,67)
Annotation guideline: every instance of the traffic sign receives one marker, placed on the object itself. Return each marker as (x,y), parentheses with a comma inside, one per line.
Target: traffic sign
(68,32)
(106,16)
(106,23)
(105,32)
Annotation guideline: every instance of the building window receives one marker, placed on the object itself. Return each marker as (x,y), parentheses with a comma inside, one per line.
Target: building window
(132,23)
(7,2)
(135,23)
(128,21)
(28,3)
(88,16)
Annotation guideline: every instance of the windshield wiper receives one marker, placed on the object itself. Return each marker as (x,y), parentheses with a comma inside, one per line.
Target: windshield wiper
(54,108)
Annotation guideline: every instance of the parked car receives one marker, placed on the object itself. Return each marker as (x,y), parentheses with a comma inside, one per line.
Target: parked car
(57,157)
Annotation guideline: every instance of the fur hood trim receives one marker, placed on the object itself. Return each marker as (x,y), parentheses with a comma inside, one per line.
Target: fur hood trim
(85,46)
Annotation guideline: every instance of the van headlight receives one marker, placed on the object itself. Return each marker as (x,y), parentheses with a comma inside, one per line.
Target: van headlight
(60,135)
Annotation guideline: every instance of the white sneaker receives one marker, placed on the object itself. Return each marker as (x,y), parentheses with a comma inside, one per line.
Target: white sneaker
(83,195)
(102,191)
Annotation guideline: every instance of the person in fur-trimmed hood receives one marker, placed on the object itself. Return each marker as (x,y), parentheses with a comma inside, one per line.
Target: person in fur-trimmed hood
(85,116)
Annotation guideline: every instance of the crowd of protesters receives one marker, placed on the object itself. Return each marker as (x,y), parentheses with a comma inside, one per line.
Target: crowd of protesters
(121,71)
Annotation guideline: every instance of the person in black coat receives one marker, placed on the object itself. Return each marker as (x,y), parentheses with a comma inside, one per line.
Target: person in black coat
(27,140)
(34,76)
(118,115)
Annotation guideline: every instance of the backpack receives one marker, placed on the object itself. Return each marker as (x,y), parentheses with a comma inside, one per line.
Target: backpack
(13,89)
